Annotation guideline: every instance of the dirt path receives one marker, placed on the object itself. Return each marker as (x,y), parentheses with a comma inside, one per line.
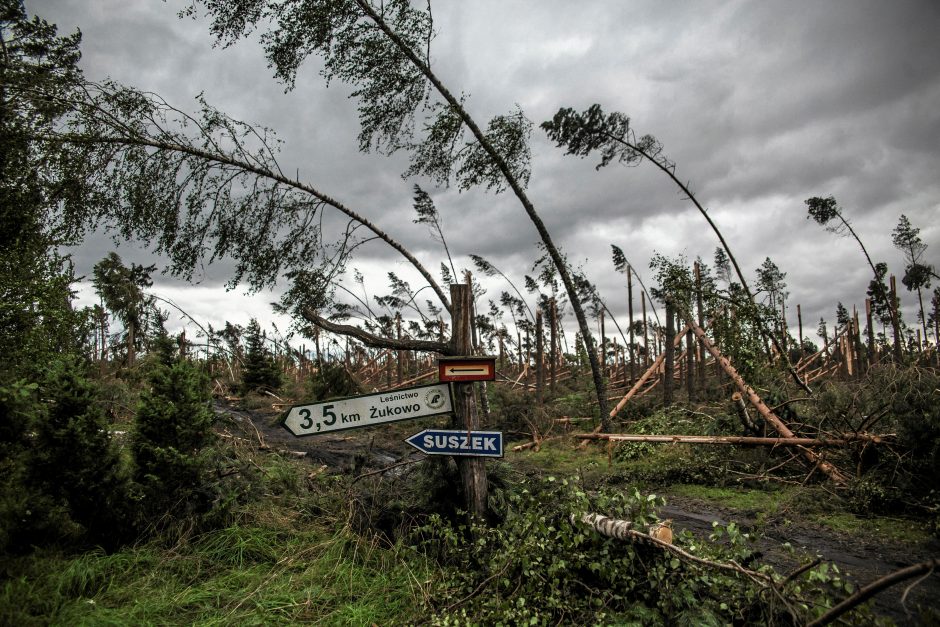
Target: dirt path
(863,561)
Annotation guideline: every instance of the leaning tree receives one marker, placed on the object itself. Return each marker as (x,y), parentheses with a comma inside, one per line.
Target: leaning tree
(382,49)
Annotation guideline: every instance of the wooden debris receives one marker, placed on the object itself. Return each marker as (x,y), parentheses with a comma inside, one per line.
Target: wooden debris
(653,369)
(622,530)
(831,471)
(662,531)
(734,439)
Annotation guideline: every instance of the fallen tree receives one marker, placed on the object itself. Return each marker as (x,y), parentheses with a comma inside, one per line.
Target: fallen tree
(843,440)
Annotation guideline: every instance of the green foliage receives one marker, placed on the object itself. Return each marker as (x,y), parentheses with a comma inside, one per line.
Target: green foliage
(63,479)
(36,321)
(905,401)
(261,372)
(122,290)
(595,131)
(539,566)
(75,461)
(331,380)
(173,431)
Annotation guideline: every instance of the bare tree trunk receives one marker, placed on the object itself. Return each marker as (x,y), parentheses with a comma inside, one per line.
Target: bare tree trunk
(896,323)
(130,344)
(799,323)
(872,347)
(669,351)
(632,347)
(398,354)
(539,359)
(701,322)
(690,368)
(553,351)
(646,337)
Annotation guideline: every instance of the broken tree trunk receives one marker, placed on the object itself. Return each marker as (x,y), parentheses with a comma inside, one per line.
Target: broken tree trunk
(670,353)
(831,471)
(621,530)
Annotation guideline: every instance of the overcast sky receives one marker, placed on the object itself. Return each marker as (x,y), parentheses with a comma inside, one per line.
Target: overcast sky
(760,104)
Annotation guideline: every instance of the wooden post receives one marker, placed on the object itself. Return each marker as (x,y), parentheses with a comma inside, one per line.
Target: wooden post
(472,470)
(669,351)
(896,322)
(539,358)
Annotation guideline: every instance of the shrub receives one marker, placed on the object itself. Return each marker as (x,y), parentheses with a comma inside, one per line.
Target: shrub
(173,430)
(332,381)
(62,477)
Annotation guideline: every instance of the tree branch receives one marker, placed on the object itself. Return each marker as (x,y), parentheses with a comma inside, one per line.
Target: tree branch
(374,341)
(874,588)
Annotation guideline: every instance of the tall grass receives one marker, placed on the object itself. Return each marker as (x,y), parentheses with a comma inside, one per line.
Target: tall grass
(278,564)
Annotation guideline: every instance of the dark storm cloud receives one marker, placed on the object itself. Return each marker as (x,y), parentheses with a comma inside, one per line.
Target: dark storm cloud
(761,105)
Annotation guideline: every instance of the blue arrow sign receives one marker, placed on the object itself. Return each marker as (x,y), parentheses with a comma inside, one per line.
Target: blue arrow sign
(463,443)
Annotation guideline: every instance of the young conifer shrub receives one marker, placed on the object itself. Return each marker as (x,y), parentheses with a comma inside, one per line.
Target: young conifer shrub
(173,431)
(261,372)
(74,460)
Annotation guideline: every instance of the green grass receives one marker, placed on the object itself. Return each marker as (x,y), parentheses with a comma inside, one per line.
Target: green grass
(563,458)
(239,575)
(898,530)
(734,498)
(277,563)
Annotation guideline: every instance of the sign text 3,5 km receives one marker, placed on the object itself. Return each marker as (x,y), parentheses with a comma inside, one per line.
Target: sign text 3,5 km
(372,409)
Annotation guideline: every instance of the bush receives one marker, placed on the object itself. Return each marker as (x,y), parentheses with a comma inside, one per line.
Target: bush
(173,430)
(63,479)
(332,381)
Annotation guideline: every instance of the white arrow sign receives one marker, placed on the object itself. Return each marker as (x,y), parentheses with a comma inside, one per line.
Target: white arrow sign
(365,411)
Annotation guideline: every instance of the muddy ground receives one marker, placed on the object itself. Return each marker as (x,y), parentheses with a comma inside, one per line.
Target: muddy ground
(862,559)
